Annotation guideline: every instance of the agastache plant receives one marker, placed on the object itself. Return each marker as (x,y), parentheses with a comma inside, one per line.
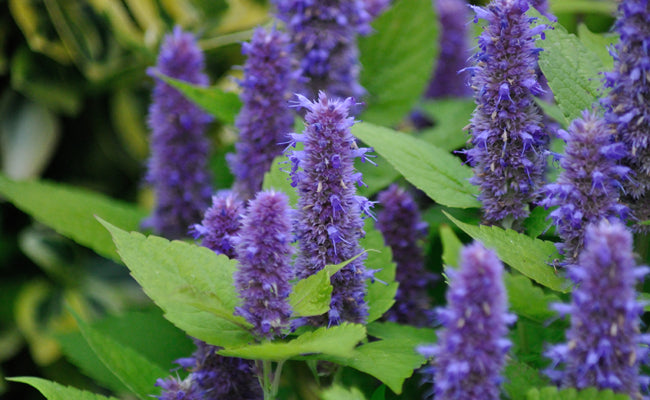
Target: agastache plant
(178,167)
(507,132)
(604,347)
(265,118)
(628,102)
(329,223)
(376,7)
(221,223)
(472,344)
(403,229)
(264,253)
(324,38)
(588,187)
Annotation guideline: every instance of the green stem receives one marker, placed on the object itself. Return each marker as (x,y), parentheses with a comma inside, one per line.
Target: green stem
(267,370)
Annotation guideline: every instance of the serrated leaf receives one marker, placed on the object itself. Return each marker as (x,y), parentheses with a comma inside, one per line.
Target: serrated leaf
(528,300)
(337,392)
(381,292)
(71,211)
(396,71)
(133,369)
(439,174)
(538,222)
(54,391)
(527,255)
(185,280)
(338,340)
(220,104)
(313,295)
(599,44)
(450,116)
(572,70)
(520,378)
(552,393)
(279,180)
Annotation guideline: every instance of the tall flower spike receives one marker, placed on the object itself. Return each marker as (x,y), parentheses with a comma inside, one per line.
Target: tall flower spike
(628,103)
(329,223)
(449,78)
(265,117)
(507,131)
(324,37)
(472,345)
(220,223)
(603,343)
(264,254)
(400,223)
(177,169)
(587,189)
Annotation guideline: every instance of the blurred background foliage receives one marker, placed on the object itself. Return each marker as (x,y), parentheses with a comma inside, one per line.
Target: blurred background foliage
(73,104)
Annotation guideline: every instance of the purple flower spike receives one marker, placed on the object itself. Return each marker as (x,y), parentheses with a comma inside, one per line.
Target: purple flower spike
(329,223)
(628,108)
(449,78)
(507,130)
(220,223)
(403,229)
(265,117)
(178,167)
(587,189)
(472,346)
(175,389)
(603,343)
(264,254)
(324,37)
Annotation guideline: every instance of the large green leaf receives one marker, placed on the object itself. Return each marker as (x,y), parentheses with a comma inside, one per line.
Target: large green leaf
(439,174)
(572,71)
(192,285)
(71,211)
(222,105)
(339,341)
(532,257)
(133,369)
(54,391)
(397,60)
(599,44)
(552,393)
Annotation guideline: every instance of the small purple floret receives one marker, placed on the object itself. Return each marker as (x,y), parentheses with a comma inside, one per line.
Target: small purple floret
(221,223)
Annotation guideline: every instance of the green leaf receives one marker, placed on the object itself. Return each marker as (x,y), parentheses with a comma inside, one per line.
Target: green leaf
(337,392)
(583,6)
(54,391)
(572,70)
(527,255)
(451,246)
(520,378)
(450,117)
(409,335)
(528,300)
(552,393)
(279,180)
(396,71)
(439,174)
(380,393)
(538,222)
(133,369)
(70,211)
(192,285)
(313,295)
(381,292)
(599,44)
(335,341)
(222,105)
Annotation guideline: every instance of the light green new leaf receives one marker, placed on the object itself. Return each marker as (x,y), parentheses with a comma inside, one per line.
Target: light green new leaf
(338,340)
(71,211)
(222,105)
(133,369)
(395,71)
(54,391)
(279,180)
(192,285)
(451,246)
(552,393)
(527,255)
(439,174)
(381,292)
(337,392)
(572,70)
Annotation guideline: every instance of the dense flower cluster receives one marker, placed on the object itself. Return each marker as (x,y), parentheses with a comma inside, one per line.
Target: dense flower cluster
(402,227)
(220,223)
(449,78)
(603,344)
(471,349)
(587,189)
(264,254)
(628,103)
(265,118)
(329,223)
(324,37)
(178,167)
(507,131)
